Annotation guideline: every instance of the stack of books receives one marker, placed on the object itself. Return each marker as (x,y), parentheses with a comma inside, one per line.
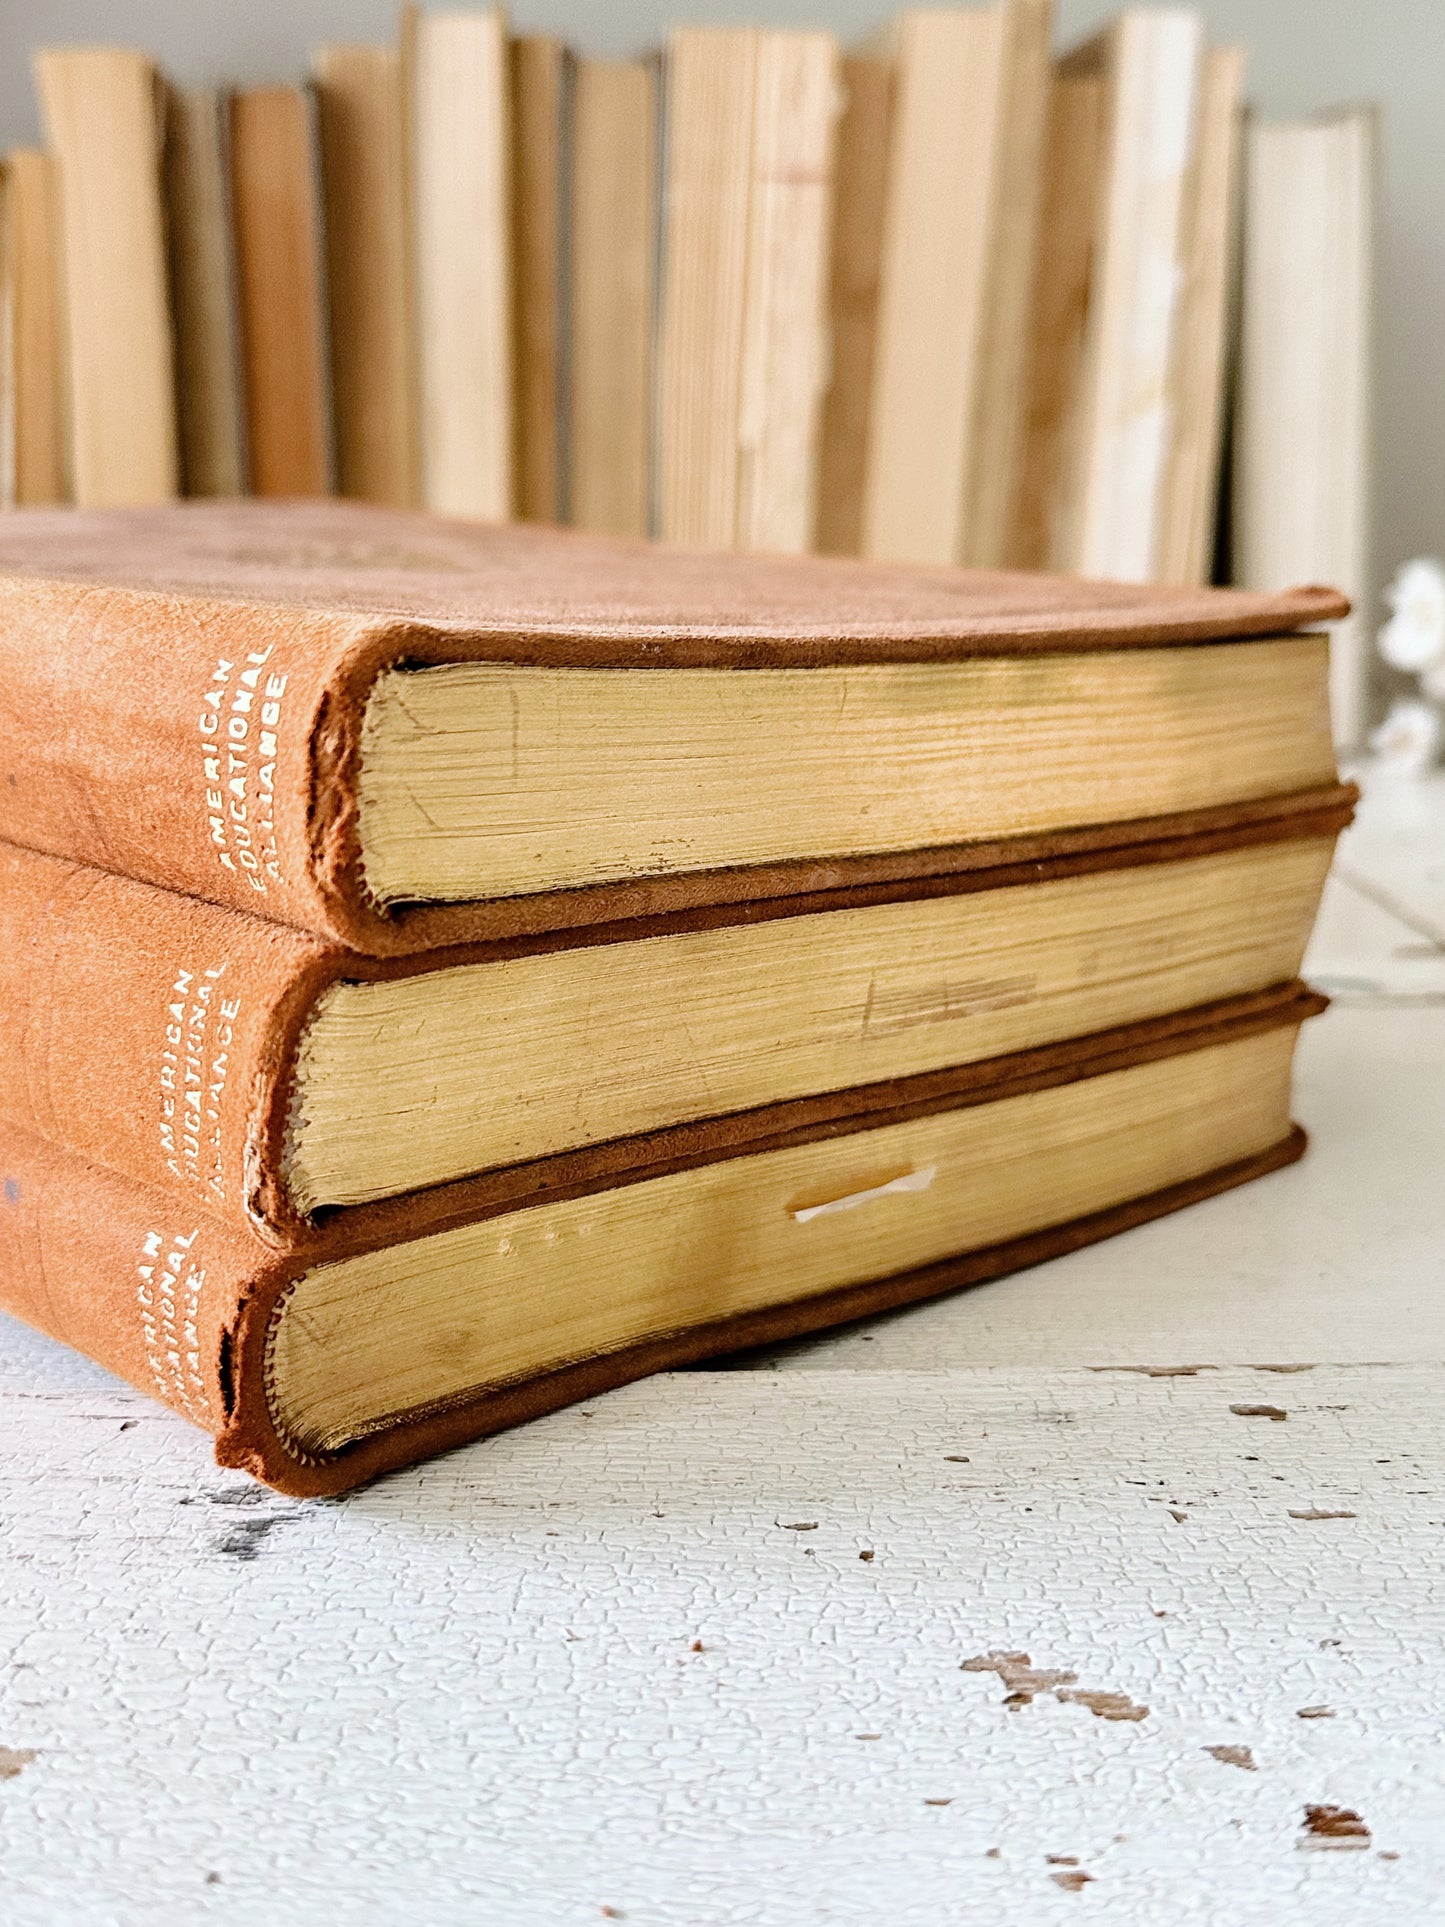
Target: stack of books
(940,298)
(446,971)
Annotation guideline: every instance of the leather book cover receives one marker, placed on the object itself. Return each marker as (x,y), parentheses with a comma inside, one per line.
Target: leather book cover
(158,1035)
(181,1305)
(182,689)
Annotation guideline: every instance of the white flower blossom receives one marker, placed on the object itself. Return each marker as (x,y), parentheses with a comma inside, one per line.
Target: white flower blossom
(1406,741)
(1414,636)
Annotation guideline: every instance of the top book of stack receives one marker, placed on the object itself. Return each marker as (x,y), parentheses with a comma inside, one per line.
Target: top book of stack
(401,732)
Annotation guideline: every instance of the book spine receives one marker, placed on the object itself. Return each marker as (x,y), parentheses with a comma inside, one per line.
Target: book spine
(36,426)
(363,153)
(142,1283)
(100,109)
(540,79)
(785,343)
(160,1294)
(609,279)
(200,235)
(275,190)
(458,107)
(205,746)
(152,1034)
(710,94)
(1123,422)
(943,182)
(997,428)
(171,1301)
(859,207)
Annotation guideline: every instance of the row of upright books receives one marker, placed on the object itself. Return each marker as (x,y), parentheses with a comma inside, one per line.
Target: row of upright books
(940,298)
(450,969)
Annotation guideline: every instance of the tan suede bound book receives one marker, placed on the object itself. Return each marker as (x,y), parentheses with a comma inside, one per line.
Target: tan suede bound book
(401,732)
(277,1080)
(530,1287)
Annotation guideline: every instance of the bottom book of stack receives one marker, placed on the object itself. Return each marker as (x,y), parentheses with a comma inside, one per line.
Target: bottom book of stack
(374,1339)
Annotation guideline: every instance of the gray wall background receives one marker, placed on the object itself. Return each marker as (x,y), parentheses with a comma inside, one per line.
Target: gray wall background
(1304,55)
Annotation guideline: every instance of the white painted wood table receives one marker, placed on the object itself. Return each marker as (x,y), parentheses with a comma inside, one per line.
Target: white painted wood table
(1112,1590)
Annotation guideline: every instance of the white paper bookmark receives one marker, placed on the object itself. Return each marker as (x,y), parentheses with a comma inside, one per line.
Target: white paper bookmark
(910,1181)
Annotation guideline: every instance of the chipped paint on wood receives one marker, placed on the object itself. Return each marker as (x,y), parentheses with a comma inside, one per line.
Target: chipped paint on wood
(1025,1682)
(1335,1827)
(472,1690)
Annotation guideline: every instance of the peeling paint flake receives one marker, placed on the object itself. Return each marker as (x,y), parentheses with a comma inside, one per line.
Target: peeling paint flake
(1333,1827)
(1260,1411)
(1019,1674)
(1233,1756)
(1025,1682)
(1104,1706)
(1156,1371)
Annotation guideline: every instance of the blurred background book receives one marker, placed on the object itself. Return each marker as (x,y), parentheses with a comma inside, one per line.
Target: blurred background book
(1014,285)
